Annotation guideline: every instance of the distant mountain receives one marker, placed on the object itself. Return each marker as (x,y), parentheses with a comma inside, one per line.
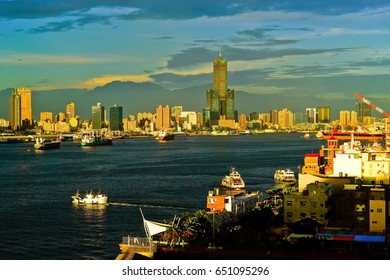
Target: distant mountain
(145,97)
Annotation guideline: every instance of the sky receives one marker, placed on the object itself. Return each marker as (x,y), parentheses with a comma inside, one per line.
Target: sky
(330,48)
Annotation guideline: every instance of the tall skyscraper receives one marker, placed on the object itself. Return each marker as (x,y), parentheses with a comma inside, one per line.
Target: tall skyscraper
(323,114)
(311,115)
(220,99)
(46,116)
(14,111)
(116,116)
(69,111)
(363,110)
(163,117)
(97,116)
(20,108)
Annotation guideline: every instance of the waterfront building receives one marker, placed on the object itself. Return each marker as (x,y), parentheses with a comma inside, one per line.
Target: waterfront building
(311,115)
(363,110)
(188,120)
(176,111)
(20,108)
(300,118)
(323,114)
(314,202)
(116,116)
(15,115)
(69,111)
(274,117)
(46,116)
(163,117)
(285,118)
(62,127)
(199,121)
(98,116)
(242,121)
(60,117)
(220,99)
(238,203)
(345,118)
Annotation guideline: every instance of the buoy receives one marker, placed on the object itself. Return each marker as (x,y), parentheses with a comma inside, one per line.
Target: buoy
(28,150)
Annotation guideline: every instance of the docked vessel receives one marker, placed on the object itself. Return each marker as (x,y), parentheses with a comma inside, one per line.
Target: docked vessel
(90,198)
(46,144)
(357,135)
(95,138)
(165,136)
(284,176)
(233,180)
(219,133)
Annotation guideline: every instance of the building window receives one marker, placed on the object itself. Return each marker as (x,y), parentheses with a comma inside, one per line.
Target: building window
(303,203)
(289,215)
(302,215)
(313,216)
(379,210)
(289,203)
(374,222)
(313,204)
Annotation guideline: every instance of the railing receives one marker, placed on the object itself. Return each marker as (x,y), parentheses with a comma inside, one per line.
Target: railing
(140,242)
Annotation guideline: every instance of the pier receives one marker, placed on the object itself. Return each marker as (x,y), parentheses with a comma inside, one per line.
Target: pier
(131,246)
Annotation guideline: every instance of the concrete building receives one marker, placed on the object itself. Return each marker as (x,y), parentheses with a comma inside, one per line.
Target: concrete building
(236,202)
(98,116)
(116,116)
(314,202)
(20,108)
(163,117)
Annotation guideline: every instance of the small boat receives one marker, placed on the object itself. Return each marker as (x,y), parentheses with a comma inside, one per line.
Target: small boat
(284,176)
(306,136)
(219,133)
(90,198)
(46,144)
(95,138)
(165,136)
(233,180)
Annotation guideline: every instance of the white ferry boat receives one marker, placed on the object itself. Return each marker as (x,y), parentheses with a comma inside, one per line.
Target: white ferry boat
(233,180)
(284,176)
(90,198)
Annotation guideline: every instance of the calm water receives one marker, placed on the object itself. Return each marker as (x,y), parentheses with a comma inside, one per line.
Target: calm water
(39,221)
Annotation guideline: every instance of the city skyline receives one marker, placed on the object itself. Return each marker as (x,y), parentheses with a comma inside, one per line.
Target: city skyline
(326,49)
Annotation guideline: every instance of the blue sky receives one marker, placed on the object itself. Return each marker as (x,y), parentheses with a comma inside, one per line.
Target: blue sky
(327,48)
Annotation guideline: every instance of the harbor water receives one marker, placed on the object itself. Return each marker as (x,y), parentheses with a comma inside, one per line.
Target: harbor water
(39,221)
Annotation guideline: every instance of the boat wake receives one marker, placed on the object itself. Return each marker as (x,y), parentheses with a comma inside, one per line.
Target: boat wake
(125,204)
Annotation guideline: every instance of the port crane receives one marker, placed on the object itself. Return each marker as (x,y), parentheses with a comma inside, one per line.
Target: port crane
(362,98)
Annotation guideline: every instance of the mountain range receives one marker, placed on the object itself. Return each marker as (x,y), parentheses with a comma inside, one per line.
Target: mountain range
(145,97)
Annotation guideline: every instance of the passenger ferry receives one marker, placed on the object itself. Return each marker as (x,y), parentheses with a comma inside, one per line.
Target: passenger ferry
(284,176)
(233,180)
(90,198)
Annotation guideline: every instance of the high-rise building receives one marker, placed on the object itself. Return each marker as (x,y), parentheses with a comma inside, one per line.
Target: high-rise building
(163,117)
(69,111)
(242,121)
(97,116)
(274,117)
(46,116)
(176,111)
(311,115)
(345,118)
(220,99)
(20,108)
(14,111)
(323,114)
(363,110)
(116,116)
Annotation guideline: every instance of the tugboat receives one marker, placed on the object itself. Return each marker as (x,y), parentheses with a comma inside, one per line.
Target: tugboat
(90,198)
(165,136)
(233,180)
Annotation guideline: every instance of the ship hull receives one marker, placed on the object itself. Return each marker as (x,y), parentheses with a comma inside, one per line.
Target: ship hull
(356,136)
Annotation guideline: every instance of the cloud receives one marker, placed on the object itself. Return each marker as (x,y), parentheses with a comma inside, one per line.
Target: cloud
(29,59)
(105,79)
(151,9)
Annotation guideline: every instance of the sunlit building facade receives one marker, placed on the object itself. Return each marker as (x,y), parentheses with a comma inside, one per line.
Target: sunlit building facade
(220,99)
(163,117)
(20,108)
(97,116)
(323,114)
